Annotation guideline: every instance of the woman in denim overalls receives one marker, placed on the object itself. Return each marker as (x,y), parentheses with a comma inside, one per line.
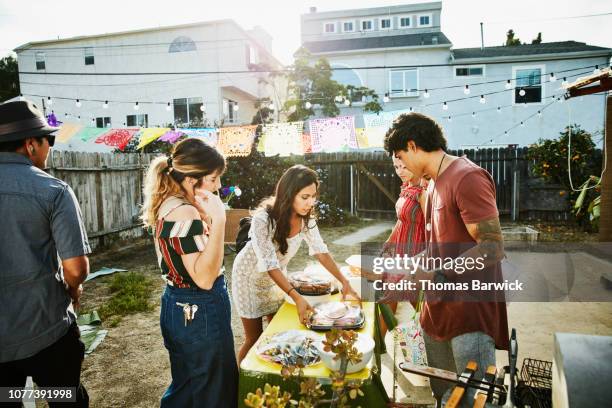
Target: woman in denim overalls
(189,224)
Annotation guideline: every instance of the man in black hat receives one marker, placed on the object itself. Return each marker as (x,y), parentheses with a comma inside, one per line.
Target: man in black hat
(43,260)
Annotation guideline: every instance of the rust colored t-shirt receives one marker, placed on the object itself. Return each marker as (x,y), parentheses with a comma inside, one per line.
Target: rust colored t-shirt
(463,194)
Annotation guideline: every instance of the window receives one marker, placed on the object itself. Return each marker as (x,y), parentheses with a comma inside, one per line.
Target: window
(405,22)
(329,28)
(182,44)
(252,55)
(469,71)
(229,110)
(425,20)
(403,83)
(188,112)
(40,60)
(528,79)
(89,56)
(367,25)
(138,120)
(348,26)
(385,23)
(104,122)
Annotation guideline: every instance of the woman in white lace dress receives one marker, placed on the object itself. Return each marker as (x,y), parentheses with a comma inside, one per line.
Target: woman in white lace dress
(278,228)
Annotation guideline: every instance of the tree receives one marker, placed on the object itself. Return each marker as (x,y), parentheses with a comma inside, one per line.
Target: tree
(510,40)
(538,39)
(9,78)
(311,85)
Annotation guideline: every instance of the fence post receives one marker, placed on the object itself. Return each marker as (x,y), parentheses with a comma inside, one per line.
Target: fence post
(352,191)
(516,176)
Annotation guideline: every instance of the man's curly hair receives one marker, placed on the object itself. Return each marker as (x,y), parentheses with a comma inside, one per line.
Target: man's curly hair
(421,129)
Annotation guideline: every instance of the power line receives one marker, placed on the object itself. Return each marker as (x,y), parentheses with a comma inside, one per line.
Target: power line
(266,70)
(548,19)
(200,75)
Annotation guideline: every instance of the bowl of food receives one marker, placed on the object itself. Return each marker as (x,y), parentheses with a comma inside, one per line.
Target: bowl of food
(314,288)
(364,345)
(340,315)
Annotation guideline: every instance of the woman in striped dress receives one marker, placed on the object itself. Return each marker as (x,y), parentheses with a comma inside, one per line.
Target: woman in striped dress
(189,225)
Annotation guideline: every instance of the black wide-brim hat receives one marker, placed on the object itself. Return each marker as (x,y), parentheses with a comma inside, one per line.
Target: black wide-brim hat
(20,120)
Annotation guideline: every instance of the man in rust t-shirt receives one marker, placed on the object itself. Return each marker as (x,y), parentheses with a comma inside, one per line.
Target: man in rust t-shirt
(462,223)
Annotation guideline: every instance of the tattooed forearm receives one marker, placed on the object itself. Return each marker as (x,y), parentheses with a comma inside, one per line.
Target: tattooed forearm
(490,241)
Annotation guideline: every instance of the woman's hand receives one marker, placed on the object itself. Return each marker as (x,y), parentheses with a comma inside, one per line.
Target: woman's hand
(209,206)
(305,311)
(347,290)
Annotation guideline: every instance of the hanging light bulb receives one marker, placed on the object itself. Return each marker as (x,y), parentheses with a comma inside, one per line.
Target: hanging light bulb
(236,107)
(482,99)
(426,94)
(466,90)
(21,98)
(78,103)
(168,107)
(386,98)
(347,102)
(553,78)
(596,70)
(564,83)
(444,106)
(338,98)
(499,109)
(522,92)
(203,107)
(522,123)
(105,105)
(473,114)
(79,118)
(450,119)
(508,84)
(505,132)
(560,99)
(271,106)
(49,101)
(364,99)
(411,110)
(136,106)
(308,105)
(93,120)
(539,114)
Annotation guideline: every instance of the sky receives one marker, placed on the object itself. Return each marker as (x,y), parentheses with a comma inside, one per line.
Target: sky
(36,20)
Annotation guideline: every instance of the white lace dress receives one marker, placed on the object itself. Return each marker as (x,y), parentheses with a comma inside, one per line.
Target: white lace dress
(255,294)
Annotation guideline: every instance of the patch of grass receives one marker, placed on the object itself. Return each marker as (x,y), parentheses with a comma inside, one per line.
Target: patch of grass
(131,292)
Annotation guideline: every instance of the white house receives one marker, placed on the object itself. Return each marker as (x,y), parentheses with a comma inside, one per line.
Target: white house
(212,75)
(402,53)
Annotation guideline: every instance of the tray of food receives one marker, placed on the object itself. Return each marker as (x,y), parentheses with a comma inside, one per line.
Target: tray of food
(340,315)
(289,348)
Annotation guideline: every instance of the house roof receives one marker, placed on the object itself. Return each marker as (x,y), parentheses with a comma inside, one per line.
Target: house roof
(35,44)
(386,41)
(563,47)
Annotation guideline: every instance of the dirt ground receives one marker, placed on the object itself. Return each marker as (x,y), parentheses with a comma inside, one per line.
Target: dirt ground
(131,367)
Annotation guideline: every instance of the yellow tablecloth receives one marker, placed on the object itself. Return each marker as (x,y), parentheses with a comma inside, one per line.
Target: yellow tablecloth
(287,319)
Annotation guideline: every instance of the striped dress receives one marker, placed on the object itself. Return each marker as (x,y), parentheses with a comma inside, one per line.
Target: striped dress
(409,232)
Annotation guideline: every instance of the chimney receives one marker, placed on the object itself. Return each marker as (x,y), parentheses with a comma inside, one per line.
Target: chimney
(313,9)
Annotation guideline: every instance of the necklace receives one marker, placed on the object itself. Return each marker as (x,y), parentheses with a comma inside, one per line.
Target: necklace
(440,166)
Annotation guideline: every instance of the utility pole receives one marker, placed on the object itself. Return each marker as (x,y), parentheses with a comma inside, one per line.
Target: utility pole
(481,36)
(605,216)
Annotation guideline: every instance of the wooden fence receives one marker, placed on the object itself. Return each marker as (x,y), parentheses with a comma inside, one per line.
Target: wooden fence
(366,184)
(109,189)
(109,186)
